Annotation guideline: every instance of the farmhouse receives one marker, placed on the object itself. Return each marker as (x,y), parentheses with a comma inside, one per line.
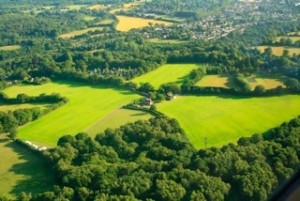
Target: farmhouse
(148,101)
(170,96)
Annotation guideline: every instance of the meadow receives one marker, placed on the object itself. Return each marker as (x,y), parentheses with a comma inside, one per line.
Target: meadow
(116,118)
(293,38)
(87,105)
(278,51)
(225,120)
(213,81)
(10,47)
(5,108)
(21,170)
(166,73)
(80,32)
(157,40)
(97,7)
(127,23)
(268,83)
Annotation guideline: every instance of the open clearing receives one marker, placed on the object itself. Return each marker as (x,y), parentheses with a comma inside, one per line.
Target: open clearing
(166,73)
(21,170)
(10,47)
(157,40)
(268,83)
(80,32)
(225,120)
(126,23)
(97,7)
(293,38)
(117,118)
(278,51)
(4,107)
(75,7)
(87,105)
(213,81)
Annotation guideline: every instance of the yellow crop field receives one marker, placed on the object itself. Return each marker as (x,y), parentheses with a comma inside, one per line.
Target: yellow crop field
(213,81)
(278,51)
(10,47)
(126,23)
(79,32)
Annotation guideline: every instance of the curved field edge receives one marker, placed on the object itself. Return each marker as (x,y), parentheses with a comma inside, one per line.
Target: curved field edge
(86,106)
(220,121)
(21,170)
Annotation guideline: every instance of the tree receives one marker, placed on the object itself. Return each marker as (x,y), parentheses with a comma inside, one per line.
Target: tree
(259,90)
(292,83)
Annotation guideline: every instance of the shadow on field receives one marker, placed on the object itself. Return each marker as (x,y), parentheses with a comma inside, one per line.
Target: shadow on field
(37,177)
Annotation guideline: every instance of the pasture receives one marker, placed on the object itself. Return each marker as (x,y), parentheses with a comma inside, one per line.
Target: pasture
(10,47)
(80,32)
(166,73)
(127,23)
(75,7)
(268,83)
(87,105)
(293,38)
(213,81)
(117,118)
(5,108)
(97,7)
(21,170)
(225,120)
(159,41)
(278,51)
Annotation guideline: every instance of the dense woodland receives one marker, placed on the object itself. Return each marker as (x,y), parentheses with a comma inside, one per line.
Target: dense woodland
(152,160)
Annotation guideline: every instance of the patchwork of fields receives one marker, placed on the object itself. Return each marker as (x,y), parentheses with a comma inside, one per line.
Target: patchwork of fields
(225,120)
(21,170)
(86,106)
(166,73)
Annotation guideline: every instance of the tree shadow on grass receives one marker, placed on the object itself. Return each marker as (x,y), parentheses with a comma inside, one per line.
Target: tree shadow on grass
(37,177)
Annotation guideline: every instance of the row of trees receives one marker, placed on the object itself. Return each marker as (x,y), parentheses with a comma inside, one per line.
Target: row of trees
(153,160)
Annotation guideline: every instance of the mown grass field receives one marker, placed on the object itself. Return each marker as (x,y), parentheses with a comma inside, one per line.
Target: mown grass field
(87,105)
(166,73)
(10,47)
(278,51)
(213,81)
(21,170)
(127,23)
(225,120)
(117,118)
(79,32)
(4,107)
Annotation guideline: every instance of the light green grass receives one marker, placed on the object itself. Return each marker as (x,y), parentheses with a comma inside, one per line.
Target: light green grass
(159,41)
(4,108)
(116,119)
(10,47)
(85,107)
(166,73)
(88,18)
(75,7)
(21,170)
(225,120)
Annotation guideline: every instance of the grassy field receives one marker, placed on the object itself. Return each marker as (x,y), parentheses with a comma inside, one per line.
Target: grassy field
(4,108)
(213,81)
(75,7)
(157,40)
(293,38)
(21,171)
(116,119)
(278,51)
(87,105)
(126,23)
(97,7)
(88,18)
(268,83)
(166,73)
(10,47)
(79,32)
(225,120)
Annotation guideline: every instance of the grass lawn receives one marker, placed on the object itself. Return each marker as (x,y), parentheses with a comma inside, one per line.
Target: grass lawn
(213,81)
(116,119)
(80,32)
(278,51)
(166,73)
(126,23)
(86,106)
(10,47)
(21,170)
(4,107)
(225,120)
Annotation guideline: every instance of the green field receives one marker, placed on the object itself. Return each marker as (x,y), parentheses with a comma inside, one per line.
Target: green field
(225,120)
(86,106)
(166,73)
(117,118)
(4,107)
(21,170)
(213,81)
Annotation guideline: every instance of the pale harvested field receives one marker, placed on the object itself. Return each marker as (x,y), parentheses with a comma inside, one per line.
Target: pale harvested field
(79,32)
(213,81)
